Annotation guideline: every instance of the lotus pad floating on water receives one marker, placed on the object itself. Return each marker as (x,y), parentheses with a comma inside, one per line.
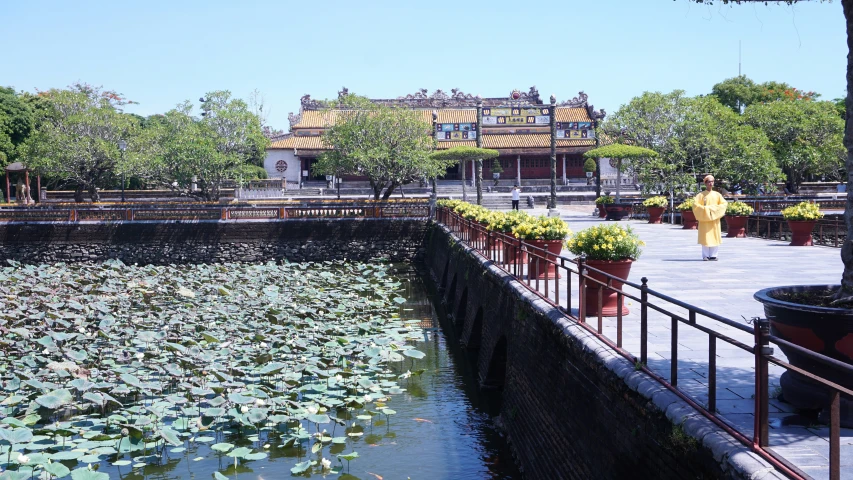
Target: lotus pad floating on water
(115,364)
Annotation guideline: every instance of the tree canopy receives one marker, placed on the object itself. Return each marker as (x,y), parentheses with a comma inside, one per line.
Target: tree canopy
(806,137)
(617,150)
(193,156)
(16,124)
(390,146)
(740,92)
(77,134)
(465,153)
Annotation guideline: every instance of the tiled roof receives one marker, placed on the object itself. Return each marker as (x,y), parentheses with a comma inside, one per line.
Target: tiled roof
(575,142)
(535,140)
(570,114)
(283,143)
(457,115)
(327,118)
(455,143)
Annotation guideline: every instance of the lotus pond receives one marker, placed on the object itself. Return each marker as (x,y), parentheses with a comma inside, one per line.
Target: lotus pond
(234,371)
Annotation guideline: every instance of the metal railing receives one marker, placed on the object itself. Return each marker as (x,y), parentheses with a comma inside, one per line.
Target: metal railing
(206,212)
(540,271)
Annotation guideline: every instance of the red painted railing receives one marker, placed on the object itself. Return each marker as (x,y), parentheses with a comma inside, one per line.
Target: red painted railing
(501,248)
(266,212)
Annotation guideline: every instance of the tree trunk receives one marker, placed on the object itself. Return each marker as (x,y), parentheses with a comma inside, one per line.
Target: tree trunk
(389,190)
(78,195)
(479,182)
(377,189)
(94,195)
(845,293)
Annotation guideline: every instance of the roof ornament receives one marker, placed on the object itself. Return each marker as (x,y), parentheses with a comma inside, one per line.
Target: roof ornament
(294,119)
(579,101)
(309,104)
(343,92)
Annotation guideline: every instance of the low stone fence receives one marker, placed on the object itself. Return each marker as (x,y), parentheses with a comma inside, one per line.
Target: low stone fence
(297,240)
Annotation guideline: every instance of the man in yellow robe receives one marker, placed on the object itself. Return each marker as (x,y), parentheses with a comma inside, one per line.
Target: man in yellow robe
(709,207)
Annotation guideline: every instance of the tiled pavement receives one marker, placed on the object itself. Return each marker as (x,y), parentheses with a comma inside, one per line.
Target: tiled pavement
(673,265)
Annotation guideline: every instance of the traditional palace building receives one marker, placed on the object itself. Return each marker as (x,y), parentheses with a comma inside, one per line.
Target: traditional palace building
(518,126)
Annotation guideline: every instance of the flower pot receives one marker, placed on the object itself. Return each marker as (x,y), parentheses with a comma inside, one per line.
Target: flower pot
(688,220)
(655,214)
(609,298)
(536,265)
(801,232)
(617,212)
(736,226)
(514,254)
(601,211)
(825,330)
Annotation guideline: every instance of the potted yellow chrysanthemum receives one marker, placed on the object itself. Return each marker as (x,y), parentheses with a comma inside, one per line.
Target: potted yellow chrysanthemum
(655,206)
(611,249)
(801,220)
(546,234)
(504,223)
(688,219)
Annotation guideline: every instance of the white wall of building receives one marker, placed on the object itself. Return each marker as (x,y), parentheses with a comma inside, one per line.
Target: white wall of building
(273,166)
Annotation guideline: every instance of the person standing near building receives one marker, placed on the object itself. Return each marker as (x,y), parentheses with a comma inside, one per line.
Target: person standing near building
(709,207)
(516,196)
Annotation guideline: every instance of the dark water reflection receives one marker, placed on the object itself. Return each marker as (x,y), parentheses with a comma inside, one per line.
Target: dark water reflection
(443,427)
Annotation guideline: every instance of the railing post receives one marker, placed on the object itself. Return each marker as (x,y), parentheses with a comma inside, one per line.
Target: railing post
(644,321)
(835,436)
(712,373)
(581,289)
(762,349)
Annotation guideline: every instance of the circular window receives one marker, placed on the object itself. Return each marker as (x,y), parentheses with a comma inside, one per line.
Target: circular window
(614,163)
(281,166)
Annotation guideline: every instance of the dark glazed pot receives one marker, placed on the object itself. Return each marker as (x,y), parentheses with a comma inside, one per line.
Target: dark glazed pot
(617,211)
(736,226)
(537,267)
(825,330)
(801,232)
(609,298)
(655,214)
(688,220)
(601,211)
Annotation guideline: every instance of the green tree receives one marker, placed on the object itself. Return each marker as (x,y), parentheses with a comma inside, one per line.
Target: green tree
(16,124)
(714,139)
(806,137)
(76,137)
(194,156)
(740,92)
(653,120)
(390,146)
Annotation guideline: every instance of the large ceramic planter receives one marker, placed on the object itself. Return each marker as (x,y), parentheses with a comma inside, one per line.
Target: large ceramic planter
(688,220)
(602,212)
(617,211)
(514,254)
(825,330)
(801,232)
(736,226)
(655,214)
(609,298)
(537,268)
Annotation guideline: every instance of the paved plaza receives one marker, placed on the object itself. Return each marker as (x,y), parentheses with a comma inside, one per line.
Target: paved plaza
(673,265)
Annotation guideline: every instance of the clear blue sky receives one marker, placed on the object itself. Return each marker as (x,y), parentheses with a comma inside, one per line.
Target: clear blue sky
(160,53)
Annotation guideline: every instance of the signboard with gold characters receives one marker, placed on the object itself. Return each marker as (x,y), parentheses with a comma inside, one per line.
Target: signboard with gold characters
(575,130)
(516,116)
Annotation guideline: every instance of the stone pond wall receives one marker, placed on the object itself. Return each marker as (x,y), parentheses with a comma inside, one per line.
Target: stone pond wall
(393,240)
(571,408)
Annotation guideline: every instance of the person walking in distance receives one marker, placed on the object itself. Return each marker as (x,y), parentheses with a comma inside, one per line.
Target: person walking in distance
(516,197)
(709,207)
